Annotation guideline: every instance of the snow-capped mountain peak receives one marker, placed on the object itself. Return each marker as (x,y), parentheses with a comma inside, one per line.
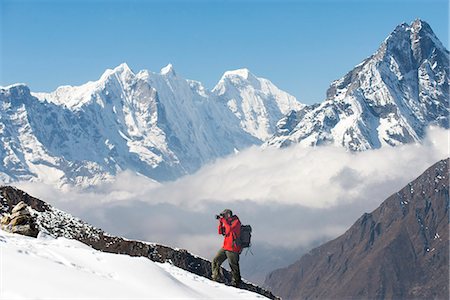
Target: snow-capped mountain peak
(168,70)
(14,85)
(238,78)
(16,90)
(418,36)
(75,97)
(122,72)
(244,73)
(163,126)
(256,102)
(420,26)
(388,99)
(157,124)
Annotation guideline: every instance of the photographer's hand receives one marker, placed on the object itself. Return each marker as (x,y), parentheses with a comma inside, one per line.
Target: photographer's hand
(221,228)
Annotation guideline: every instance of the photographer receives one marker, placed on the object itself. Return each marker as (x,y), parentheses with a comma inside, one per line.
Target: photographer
(230,228)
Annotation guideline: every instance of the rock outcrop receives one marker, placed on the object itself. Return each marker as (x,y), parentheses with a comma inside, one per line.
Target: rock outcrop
(19,221)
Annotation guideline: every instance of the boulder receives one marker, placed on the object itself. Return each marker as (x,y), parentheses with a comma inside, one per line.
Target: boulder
(20,221)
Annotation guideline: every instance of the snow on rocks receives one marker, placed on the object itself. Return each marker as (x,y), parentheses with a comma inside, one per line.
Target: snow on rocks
(62,268)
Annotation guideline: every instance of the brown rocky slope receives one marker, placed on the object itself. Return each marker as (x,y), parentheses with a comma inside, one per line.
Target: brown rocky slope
(60,224)
(399,251)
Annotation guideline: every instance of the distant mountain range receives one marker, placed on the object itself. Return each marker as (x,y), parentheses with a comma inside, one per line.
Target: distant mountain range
(156,124)
(163,126)
(398,251)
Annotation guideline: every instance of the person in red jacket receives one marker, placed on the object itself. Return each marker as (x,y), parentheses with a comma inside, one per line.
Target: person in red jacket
(230,228)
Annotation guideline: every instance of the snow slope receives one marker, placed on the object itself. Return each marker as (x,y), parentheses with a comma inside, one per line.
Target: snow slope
(47,268)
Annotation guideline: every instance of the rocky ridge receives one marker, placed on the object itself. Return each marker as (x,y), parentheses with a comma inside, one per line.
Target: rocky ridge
(61,224)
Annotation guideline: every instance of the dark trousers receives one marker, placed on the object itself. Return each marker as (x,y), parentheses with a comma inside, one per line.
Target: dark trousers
(233,260)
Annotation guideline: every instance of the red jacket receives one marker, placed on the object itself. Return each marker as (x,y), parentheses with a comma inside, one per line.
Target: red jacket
(231,229)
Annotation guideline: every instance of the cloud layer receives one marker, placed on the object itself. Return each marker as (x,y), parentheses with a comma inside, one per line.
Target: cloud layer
(311,177)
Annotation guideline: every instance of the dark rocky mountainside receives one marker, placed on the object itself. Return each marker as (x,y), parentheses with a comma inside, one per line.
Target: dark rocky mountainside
(60,224)
(399,251)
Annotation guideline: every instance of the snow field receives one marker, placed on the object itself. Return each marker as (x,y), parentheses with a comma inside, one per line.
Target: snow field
(48,268)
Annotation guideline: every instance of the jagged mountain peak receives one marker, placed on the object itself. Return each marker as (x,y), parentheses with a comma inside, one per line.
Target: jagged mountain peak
(17,85)
(416,26)
(155,123)
(122,72)
(256,102)
(123,67)
(13,95)
(17,88)
(151,122)
(419,24)
(74,97)
(168,70)
(417,36)
(387,100)
(243,72)
(239,77)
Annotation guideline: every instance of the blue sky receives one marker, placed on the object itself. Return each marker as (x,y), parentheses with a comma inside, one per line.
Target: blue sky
(300,45)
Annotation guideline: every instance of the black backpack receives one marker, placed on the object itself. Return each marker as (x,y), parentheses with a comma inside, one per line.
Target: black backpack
(246,236)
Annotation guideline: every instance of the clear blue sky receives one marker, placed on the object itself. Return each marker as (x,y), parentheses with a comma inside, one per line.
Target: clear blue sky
(300,45)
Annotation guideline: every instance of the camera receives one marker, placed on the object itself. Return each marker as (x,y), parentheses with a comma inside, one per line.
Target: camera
(225,214)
